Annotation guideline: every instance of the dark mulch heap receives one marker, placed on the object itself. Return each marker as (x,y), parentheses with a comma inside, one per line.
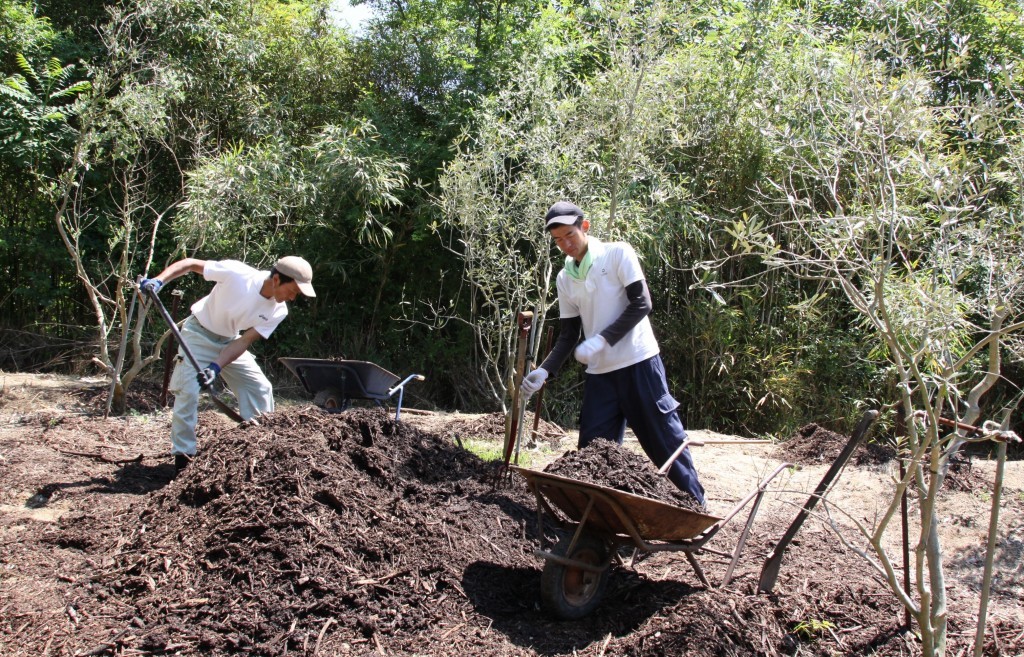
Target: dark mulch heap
(312,529)
(351,534)
(816,444)
(606,463)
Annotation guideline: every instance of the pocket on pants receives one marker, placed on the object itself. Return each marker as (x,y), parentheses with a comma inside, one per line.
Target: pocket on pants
(181,375)
(667,403)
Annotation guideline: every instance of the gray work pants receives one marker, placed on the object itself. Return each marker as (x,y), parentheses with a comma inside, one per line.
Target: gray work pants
(245,378)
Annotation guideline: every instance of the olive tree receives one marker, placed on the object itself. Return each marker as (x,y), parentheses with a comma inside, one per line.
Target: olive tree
(921,234)
(123,128)
(597,140)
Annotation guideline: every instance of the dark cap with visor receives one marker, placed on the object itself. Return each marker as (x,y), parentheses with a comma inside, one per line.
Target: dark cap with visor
(562,212)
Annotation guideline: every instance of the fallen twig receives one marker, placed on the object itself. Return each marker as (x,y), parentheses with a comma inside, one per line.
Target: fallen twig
(105,459)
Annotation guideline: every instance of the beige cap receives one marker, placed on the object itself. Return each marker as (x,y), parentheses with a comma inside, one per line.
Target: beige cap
(299,270)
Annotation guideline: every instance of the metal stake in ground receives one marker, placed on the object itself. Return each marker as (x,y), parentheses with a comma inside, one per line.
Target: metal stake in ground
(770,571)
(540,393)
(230,412)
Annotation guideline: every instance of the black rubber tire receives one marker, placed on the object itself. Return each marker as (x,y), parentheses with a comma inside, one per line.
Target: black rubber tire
(572,593)
(331,399)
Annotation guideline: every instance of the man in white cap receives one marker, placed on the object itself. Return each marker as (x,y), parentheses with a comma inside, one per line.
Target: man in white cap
(602,293)
(246,304)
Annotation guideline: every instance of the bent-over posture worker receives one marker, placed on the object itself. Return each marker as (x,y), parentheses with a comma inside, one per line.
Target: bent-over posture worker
(245,304)
(602,292)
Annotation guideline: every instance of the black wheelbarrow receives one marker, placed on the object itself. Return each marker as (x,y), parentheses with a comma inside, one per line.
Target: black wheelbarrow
(598,520)
(335,383)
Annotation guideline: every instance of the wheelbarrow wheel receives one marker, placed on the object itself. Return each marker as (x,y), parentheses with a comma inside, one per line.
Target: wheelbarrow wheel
(331,399)
(571,592)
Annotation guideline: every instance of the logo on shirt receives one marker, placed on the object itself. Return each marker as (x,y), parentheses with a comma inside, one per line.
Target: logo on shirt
(264,317)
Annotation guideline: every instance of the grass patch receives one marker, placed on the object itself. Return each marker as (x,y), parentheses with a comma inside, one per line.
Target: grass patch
(490,450)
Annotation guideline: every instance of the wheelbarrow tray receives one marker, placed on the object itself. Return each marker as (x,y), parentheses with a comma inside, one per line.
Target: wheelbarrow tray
(615,512)
(353,379)
(575,570)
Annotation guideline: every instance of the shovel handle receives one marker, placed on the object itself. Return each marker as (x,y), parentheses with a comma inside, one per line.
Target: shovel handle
(770,570)
(171,324)
(230,412)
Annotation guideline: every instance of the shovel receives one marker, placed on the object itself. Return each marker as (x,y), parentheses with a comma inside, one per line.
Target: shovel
(770,570)
(230,412)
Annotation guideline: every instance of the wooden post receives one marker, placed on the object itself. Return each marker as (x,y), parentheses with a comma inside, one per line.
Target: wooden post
(525,322)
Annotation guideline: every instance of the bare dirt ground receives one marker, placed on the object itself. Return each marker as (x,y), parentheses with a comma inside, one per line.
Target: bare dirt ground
(353,534)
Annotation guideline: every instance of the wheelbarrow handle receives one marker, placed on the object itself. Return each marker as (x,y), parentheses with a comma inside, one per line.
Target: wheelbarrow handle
(411,377)
(696,442)
(700,442)
(400,389)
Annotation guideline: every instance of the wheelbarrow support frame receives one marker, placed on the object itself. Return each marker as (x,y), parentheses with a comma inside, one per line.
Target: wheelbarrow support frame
(621,528)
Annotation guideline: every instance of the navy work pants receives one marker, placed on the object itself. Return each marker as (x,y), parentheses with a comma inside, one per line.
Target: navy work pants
(638,396)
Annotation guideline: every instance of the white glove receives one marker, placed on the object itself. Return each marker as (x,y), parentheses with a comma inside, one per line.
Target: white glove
(589,348)
(533,381)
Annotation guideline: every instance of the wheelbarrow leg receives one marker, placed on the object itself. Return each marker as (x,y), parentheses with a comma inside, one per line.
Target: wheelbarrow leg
(697,568)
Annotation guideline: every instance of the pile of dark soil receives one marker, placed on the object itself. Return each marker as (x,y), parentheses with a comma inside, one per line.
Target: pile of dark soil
(606,463)
(814,444)
(352,534)
(311,530)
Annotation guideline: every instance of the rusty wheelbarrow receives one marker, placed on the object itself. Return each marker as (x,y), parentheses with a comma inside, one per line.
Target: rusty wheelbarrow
(598,520)
(335,383)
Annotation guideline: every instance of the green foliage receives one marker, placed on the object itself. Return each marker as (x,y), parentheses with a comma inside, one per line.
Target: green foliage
(36,109)
(21,31)
(264,197)
(674,126)
(812,628)
(493,451)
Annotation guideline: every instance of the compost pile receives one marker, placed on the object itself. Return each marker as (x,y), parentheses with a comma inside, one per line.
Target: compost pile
(814,444)
(312,530)
(608,464)
(352,534)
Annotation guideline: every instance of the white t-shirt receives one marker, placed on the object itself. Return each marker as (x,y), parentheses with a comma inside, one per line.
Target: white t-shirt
(235,303)
(600,299)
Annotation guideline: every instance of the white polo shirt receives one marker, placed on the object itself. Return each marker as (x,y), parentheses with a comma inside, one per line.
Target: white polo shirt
(235,303)
(600,299)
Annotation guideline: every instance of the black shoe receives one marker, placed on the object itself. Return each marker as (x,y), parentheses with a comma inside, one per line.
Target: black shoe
(181,462)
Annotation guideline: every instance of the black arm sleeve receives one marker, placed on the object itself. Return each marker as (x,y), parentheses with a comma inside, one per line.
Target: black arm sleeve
(639,307)
(568,335)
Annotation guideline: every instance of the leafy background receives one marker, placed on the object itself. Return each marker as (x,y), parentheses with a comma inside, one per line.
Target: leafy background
(762,156)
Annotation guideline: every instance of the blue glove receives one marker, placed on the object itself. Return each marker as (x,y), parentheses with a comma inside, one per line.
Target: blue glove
(151,284)
(208,375)
(589,348)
